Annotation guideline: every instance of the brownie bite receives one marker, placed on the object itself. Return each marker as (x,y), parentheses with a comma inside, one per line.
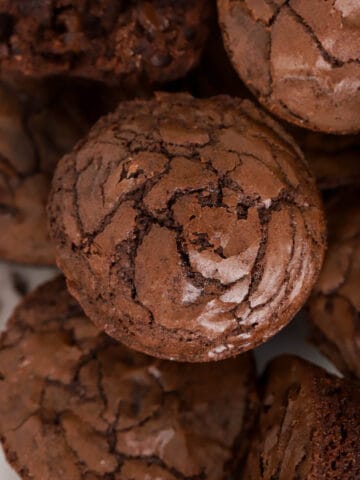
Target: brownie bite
(39,122)
(131,41)
(301,58)
(188,229)
(334,307)
(309,426)
(77,405)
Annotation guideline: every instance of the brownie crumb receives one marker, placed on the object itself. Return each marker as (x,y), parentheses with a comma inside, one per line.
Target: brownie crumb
(308,428)
(132,42)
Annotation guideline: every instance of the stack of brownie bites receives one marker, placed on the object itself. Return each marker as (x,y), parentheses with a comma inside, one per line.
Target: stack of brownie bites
(172,158)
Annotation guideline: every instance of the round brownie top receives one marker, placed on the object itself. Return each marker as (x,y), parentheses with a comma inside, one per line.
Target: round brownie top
(188,229)
(308,428)
(300,57)
(334,306)
(75,404)
(111,40)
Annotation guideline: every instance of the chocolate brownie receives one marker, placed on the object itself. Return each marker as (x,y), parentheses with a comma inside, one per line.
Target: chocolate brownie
(309,426)
(301,58)
(188,229)
(75,404)
(110,40)
(39,122)
(334,306)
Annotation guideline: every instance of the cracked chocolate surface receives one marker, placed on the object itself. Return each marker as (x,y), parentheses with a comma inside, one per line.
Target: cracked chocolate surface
(109,40)
(39,122)
(334,159)
(308,428)
(301,58)
(334,306)
(75,404)
(188,229)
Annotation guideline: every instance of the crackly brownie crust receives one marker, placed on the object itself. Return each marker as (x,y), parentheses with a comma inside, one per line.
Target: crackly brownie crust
(114,41)
(308,428)
(301,58)
(334,307)
(188,229)
(75,404)
(40,121)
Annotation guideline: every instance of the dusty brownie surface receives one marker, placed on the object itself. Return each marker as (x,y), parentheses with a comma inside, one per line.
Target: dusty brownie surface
(75,404)
(334,306)
(188,229)
(334,159)
(300,57)
(110,40)
(39,122)
(308,428)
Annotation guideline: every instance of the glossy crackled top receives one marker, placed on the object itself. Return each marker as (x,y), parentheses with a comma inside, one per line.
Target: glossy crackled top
(100,411)
(300,57)
(187,228)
